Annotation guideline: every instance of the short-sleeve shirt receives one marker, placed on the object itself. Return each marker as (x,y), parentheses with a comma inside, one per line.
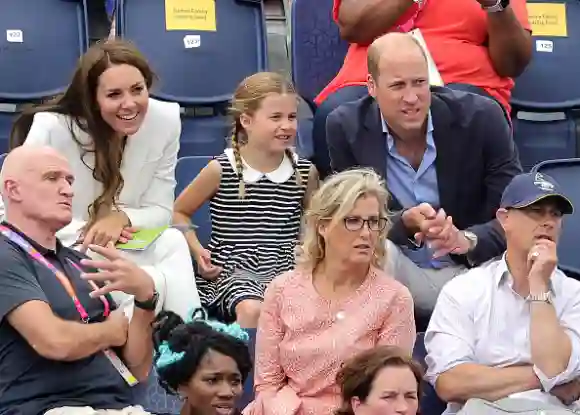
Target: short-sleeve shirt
(456,35)
(29,383)
(354,70)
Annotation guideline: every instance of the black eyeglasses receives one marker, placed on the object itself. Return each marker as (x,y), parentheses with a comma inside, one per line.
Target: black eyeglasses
(356,223)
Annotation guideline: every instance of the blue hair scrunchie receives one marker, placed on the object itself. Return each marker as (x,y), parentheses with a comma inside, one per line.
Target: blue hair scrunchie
(166,356)
(234,330)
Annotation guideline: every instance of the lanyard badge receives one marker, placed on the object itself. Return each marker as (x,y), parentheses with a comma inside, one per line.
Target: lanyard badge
(66,284)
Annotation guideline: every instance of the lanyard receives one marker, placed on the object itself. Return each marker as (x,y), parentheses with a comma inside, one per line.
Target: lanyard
(60,276)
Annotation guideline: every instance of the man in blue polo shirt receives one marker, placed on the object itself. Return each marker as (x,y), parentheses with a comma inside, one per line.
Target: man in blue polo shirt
(64,347)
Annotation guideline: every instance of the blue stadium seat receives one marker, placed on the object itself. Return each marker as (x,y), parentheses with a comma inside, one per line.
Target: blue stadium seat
(153,398)
(567,174)
(110,5)
(6,119)
(48,37)
(430,403)
(304,144)
(540,137)
(550,80)
(203,136)
(2,159)
(248,394)
(197,67)
(186,170)
(316,46)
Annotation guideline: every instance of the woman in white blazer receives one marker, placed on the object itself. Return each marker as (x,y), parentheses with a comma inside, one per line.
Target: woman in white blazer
(122,147)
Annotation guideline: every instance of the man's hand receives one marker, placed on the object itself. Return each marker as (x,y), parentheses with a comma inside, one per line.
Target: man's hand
(436,229)
(542,261)
(118,328)
(414,217)
(447,239)
(118,274)
(568,393)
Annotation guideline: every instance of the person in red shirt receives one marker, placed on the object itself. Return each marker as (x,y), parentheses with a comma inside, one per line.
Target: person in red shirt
(482,44)
(352,17)
(478,46)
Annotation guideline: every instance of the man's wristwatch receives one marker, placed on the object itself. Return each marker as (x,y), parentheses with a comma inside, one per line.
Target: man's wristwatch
(499,6)
(471,238)
(541,298)
(148,305)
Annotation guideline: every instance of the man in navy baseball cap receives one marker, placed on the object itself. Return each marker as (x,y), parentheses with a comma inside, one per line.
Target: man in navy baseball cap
(528,189)
(518,314)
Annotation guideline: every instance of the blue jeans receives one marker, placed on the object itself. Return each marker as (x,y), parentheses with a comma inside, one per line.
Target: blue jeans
(321,158)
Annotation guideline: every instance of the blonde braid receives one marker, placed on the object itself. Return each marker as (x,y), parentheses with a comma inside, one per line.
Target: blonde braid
(290,155)
(239,164)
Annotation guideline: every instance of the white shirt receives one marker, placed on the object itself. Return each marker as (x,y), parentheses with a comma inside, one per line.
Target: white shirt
(480,319)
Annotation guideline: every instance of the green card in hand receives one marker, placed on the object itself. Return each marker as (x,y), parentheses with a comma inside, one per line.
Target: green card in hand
(142,239)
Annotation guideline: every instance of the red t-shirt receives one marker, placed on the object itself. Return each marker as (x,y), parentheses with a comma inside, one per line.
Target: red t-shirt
(456,32)
(354,69)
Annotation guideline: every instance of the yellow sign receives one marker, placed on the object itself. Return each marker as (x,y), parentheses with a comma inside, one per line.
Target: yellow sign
(548,19)
(190,15)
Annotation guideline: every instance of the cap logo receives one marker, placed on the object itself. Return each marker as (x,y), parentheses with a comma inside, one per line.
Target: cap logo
(542,183)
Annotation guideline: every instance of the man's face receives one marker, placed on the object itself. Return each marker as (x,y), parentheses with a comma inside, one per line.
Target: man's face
(402,90)
(44,192)
(524,227)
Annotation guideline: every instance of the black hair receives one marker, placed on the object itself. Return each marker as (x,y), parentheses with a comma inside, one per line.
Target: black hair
(193,339)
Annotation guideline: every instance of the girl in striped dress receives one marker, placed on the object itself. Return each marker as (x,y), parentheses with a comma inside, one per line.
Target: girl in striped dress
(256,190)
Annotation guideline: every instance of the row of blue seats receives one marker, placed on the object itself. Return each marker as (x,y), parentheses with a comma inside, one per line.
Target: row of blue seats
(549,84)
(193,64)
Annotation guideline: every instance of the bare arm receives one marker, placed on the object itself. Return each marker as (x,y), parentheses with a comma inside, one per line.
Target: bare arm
(198,192)
(138,351)
(451,349)
(470,380)
(57,339)
(510,45)
(552,357)
(362,21)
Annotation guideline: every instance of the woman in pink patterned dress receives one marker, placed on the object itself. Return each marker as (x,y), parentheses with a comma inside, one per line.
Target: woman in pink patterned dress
(335,304)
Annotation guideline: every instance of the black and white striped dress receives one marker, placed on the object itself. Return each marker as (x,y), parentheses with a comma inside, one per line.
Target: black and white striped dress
(253,238)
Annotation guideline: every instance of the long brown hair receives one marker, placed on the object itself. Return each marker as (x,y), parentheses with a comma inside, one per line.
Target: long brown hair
(247,100)
(79,102)
(356,377)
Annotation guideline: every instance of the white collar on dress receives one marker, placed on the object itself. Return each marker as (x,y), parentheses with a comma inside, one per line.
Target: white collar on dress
(251,175)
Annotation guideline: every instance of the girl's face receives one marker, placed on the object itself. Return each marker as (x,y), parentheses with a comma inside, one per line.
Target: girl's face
(273,126)
(123,98)
(215,386)
(394,392)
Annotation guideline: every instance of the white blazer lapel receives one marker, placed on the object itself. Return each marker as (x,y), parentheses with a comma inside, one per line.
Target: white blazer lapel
(133,167)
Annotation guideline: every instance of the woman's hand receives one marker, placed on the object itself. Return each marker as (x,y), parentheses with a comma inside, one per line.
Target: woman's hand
(115,227)
(206,269)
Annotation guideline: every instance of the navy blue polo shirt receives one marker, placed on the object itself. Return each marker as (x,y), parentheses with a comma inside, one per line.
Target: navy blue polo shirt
(29,383)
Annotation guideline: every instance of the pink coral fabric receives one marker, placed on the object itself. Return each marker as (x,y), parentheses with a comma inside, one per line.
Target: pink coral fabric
(303,339)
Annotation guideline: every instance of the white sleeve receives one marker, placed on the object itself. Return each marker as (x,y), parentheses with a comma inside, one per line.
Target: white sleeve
(157,203)
(450,337)
(570,322)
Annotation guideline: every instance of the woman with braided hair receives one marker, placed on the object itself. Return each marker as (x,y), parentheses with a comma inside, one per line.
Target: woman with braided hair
(256,190)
